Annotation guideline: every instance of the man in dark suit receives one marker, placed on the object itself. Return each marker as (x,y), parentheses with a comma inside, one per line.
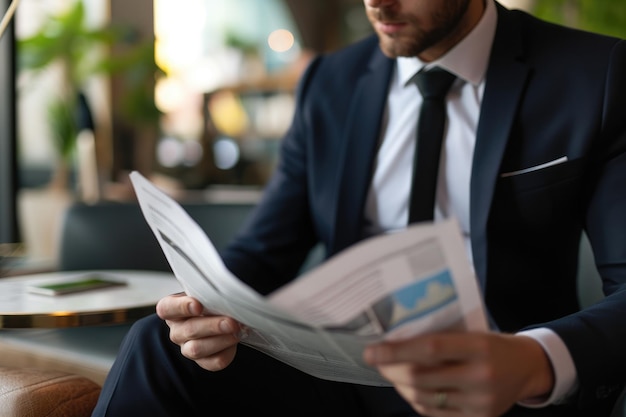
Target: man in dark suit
(533,155)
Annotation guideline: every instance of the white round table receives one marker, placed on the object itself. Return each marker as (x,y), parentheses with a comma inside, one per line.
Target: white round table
(22,309)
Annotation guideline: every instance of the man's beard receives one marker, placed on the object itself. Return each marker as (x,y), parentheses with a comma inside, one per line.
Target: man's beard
(444,23)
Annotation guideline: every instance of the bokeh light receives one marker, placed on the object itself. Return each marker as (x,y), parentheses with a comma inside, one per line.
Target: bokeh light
(281,40)
(226,153)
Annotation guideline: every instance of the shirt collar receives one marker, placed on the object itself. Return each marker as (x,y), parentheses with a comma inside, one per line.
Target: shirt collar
(467,60)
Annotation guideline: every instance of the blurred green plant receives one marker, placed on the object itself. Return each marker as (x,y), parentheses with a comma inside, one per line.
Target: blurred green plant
(602,16)
(139,71)
(83,52)
(234,40)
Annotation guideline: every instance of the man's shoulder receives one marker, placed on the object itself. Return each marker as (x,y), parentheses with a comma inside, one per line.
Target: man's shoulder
(350,62)
(365,46)
(356,55)
(545,42)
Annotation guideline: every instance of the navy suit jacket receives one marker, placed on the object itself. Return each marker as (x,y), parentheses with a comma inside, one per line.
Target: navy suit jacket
(550,93)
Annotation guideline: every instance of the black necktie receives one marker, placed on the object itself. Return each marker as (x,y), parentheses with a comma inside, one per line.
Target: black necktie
(433,85)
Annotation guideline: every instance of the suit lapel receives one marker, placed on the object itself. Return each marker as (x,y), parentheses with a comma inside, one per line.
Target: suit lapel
(505,81)
(360,143)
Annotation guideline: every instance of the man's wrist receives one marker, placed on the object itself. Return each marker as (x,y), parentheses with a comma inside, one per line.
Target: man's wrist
(541,379)
(562,366)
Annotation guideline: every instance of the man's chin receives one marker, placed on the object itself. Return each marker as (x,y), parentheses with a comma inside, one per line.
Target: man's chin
(396,49)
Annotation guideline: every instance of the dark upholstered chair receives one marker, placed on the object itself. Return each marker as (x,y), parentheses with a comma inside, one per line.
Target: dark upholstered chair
(116,235)
(589,284)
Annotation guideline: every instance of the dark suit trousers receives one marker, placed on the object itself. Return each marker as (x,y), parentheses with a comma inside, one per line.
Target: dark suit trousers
(151,378)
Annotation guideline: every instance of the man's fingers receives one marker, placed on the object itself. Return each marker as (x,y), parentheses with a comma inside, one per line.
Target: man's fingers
(178,306)
(218,361)
(203,327)
(207,348)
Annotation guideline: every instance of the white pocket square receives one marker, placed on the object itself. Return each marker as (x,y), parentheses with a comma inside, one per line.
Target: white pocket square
(535,168)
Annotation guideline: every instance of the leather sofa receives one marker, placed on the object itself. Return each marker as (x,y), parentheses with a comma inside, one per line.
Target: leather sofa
(27,392)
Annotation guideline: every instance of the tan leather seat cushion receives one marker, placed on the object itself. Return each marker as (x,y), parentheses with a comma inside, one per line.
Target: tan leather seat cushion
(39,393)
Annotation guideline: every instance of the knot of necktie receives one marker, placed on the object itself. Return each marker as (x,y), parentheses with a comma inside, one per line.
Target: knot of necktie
(434,83)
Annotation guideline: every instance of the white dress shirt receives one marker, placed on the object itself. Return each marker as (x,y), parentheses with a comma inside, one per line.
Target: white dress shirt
(387,202)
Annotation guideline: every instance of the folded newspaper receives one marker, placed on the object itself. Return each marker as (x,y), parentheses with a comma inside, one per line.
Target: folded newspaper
(387,287)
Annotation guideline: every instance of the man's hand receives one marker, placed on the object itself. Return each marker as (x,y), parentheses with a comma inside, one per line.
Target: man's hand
(464,374)
(209,340)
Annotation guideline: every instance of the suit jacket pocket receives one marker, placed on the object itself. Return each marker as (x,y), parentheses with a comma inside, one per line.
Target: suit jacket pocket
(536,179)
(539,198)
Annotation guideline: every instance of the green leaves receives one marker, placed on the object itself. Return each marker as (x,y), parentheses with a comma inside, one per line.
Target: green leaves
(602,16)
(61,116)
(66,38)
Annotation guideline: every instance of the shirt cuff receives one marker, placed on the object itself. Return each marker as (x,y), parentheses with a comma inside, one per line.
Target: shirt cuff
(565,377)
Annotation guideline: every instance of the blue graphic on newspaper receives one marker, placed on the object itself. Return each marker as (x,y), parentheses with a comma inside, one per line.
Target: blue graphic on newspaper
(429,298)
(421,298)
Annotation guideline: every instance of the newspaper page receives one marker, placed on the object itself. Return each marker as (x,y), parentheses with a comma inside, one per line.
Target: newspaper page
(387,287)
